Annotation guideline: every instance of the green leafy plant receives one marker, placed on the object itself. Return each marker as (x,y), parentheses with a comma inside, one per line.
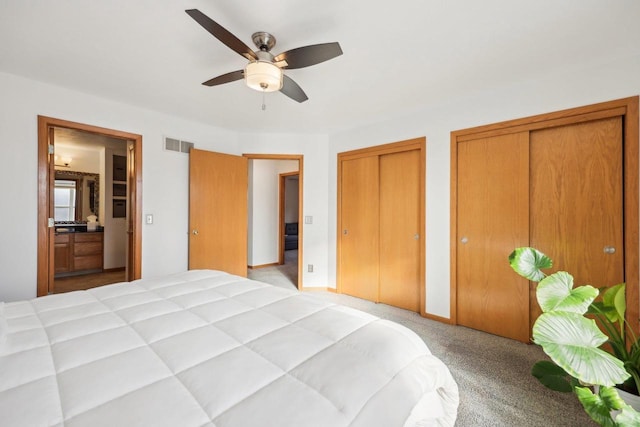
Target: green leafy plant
(573,341)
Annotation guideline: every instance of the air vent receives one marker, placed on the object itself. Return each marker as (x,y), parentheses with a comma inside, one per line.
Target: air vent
(185,146)
(172,144)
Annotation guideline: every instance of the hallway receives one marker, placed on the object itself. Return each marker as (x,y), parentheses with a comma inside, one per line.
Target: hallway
(285,275)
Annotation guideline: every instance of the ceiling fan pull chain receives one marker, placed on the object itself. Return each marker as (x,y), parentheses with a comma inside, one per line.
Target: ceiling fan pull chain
(264,105)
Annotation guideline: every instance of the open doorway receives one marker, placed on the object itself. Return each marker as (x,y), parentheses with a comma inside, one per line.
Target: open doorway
(274,212)
(89,206)
(289,214)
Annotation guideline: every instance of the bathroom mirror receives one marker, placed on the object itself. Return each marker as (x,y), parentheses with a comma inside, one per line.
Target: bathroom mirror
(76,195)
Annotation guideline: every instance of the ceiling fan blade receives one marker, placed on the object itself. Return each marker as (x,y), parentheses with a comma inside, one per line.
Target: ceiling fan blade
(292,90)
(225,78)
(309,55)
(222,34)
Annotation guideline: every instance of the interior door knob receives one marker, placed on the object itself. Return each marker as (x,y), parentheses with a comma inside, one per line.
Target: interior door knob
(195,232)
(609,250)
(464,240)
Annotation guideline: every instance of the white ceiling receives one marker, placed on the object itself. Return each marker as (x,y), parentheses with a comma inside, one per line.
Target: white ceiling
(398,55)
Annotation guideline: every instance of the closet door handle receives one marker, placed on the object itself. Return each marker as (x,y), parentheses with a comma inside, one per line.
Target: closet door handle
(464,240)
(609,250)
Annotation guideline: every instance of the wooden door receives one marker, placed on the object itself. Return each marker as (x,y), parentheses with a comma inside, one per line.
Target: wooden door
(492,220)
(218,185)
(577,200)
(400,237)
(359,240)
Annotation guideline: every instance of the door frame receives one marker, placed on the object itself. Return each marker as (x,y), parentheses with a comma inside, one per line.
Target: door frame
(378,150)
(45,197)
(628,109)
(281,203)
(300,159)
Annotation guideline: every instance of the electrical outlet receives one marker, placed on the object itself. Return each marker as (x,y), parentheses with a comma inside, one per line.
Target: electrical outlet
(310,268)
(308,219)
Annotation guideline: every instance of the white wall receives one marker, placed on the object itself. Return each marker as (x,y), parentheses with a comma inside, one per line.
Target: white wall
(573,88)
(165,173)
(264,209)
(164,177)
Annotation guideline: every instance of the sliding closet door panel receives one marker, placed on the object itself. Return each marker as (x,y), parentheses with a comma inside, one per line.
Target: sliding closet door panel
(359,238)
(493,219)
(577,199)
(218,212)
(400,238)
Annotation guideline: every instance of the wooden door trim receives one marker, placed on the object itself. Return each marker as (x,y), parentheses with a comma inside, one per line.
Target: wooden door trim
(541,121)
(378,150)
(45,124)
(628,109)
(300,159)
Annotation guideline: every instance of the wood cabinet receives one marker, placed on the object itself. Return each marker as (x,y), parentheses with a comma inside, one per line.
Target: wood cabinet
(62,257)
(78,252)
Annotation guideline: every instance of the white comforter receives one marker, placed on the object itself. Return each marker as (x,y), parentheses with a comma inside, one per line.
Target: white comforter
(204,348)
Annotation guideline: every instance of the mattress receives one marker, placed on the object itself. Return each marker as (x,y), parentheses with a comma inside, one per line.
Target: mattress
(205,348)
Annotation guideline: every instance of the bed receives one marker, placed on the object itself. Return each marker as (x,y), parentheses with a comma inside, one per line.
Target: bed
(206,348)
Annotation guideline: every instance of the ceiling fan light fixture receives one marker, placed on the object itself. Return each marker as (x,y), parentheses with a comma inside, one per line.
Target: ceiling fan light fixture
(263,76)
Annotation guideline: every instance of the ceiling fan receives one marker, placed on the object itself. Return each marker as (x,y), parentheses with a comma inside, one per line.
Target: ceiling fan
(264,72)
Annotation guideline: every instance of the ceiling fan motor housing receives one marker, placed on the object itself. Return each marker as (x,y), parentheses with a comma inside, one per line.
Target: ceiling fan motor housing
(264,41)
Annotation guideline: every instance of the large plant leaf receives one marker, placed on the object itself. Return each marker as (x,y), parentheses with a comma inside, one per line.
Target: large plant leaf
(628,417)
(572,342)
(606,400)
(556,293)
(529,262)
(615,303)
(552,376)
(595,406)
(611,398)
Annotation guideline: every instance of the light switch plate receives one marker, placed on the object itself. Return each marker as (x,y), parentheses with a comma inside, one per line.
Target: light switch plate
(148,219)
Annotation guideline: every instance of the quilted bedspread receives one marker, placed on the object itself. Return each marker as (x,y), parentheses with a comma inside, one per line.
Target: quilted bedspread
(205,348)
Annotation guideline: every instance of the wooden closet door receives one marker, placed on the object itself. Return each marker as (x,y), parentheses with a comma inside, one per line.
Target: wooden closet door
(400,238)
(577,200)
(359,237)
(493,219)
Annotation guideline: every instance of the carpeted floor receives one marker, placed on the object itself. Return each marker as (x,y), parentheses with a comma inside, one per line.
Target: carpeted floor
(285,275)
(493,373)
